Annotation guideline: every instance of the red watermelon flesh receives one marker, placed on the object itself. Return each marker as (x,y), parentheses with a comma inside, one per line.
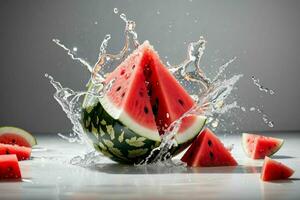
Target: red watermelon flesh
(208,151)
(169,100)
(273,170)
(11,138)
(257,146)
(14,135)
(22,153)
(147,98)
(9,167)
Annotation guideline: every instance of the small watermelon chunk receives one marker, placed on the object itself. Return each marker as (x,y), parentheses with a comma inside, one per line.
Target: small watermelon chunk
(274,170)
(9,167)
(13,135)
(22,153)
(258,146)
(208,151)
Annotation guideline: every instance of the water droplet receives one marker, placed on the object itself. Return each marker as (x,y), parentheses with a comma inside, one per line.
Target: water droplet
(116,10)
(95,22)
(187,14)
(158,12)
(252,109)
(256,82)
(75,49)
(271,124)
(215,123)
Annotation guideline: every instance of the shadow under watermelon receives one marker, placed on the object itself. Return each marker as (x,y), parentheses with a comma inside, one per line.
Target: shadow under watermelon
(281,157)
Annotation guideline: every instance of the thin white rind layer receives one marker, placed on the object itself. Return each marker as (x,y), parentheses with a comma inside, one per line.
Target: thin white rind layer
(244,144)
(192,131)
(122,116)
(22,133)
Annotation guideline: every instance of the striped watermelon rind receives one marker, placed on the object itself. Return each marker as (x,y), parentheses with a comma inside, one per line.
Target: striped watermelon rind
(119,142)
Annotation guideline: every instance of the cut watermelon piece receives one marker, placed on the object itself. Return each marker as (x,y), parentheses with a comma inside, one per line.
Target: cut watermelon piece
(143,101)
(22,153)
(273,170)
(258,146)
(9,167)
(147,98)
(208,151)
(14,135)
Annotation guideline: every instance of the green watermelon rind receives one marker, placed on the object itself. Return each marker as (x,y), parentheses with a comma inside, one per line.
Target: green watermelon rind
(244,142)
(98,134)
(128,121)
(114,139)
(117,141)
(20,132)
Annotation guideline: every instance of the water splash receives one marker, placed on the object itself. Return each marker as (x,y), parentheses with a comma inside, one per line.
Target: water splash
(266,119)
(88,159)
(256,82)
(210,95)
(69,52)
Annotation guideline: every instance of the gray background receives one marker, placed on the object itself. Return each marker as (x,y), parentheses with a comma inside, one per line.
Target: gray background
(264,35)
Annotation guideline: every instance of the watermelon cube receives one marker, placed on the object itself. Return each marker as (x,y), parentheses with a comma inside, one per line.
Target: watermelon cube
(22,153)
(9,167)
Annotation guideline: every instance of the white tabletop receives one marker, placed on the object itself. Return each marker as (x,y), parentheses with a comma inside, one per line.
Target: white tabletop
(48,175)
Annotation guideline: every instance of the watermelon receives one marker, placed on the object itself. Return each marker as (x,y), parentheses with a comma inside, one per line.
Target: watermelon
(13,135)
(208,151)
(258,146)
(9,167)
(22,153)
(274,170)
(144,99)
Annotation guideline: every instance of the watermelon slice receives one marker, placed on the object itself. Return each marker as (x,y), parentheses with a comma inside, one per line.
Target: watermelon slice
(208,151)
(257,146)
(9,167)
(147,98)
(13,135)
(273,170)
(143,101)
(22,153)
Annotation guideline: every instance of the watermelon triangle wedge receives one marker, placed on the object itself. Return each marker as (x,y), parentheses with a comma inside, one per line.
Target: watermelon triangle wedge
(208,151)
(142,102)
(274,170)
(258,146)
(147,98)
(9,167)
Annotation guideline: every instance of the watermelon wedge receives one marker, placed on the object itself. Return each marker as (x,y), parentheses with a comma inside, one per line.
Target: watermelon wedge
(143,101)
(9,167)
(22,153)
(14,135)
(273,170)
(258,146)
(208,151)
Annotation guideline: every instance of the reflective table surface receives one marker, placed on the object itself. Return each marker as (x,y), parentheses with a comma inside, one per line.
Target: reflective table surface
(49,175)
